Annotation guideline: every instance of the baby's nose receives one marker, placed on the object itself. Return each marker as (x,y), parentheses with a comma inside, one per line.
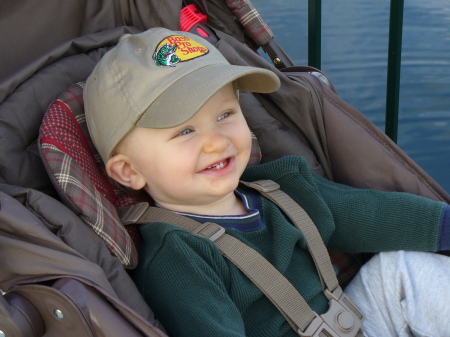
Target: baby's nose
(215,142)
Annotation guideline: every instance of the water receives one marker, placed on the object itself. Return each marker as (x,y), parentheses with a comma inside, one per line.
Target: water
(354,57)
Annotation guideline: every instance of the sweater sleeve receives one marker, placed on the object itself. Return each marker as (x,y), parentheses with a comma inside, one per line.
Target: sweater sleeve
(184,280)
(362,220)
(373,221)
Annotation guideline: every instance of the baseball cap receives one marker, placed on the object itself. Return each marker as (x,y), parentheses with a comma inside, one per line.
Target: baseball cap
(159,79)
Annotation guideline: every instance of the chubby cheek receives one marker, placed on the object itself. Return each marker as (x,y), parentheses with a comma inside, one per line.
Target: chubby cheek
(162,187)
(246,144)
(170,172)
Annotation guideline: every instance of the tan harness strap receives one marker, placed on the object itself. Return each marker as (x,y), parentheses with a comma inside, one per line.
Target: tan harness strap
(303,222)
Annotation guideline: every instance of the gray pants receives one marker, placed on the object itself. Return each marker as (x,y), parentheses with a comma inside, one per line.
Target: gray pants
(404,294)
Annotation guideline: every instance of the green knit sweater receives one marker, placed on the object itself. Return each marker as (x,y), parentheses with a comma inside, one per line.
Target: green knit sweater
(194,291)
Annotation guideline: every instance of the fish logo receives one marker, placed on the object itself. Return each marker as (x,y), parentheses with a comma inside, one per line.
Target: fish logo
(165,55)
(177,48)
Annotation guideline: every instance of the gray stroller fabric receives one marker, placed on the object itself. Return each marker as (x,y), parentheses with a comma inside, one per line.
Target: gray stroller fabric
(37,246)
(31,29)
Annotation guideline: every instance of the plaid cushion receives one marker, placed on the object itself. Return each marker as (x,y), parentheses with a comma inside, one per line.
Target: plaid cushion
(69,156)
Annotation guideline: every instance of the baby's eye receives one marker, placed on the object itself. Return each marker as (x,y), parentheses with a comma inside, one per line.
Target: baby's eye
(225,115)
(185,132)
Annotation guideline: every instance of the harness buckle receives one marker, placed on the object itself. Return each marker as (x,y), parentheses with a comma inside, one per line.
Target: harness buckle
(343,318)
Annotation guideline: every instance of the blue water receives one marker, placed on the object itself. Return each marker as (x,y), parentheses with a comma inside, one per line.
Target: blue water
(354,57)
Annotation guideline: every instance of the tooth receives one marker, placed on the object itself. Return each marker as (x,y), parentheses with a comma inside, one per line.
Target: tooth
(217,166)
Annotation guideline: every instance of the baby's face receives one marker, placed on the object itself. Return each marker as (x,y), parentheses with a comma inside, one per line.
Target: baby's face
(198,163)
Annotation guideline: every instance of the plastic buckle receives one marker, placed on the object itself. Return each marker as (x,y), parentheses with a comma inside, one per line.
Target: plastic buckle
(192,20)
(339,296)
(338,321)
(191,15)
(343,318)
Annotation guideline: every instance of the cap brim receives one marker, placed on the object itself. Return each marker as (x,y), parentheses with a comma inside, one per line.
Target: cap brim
(184,98)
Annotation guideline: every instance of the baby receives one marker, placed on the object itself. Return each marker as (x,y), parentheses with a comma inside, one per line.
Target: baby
(162,109)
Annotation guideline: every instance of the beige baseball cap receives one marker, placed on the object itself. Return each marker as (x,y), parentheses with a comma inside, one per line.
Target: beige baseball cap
(159,79)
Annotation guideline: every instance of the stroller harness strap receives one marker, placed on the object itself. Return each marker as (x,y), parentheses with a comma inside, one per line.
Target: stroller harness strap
(343,318)
(303,222)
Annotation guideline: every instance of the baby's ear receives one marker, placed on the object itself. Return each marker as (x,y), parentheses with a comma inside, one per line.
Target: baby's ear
(120,169)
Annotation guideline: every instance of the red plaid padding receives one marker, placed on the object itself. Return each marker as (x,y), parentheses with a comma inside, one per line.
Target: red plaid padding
(67,151)
(95,209)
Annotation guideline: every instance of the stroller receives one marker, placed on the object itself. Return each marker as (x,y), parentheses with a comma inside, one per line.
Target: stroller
(64,255)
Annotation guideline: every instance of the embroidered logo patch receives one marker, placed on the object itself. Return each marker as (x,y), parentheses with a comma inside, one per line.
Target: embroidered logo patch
(177,48)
